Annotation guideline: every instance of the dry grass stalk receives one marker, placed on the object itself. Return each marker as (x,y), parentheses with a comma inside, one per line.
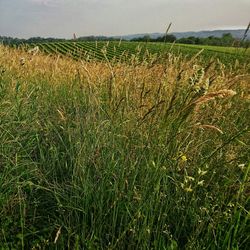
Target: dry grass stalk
(209,127)
(57,235)
(33,51)
(211,96)
(62,116)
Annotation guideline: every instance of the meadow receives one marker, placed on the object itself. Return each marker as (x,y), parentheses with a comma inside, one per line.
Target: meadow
(151,152)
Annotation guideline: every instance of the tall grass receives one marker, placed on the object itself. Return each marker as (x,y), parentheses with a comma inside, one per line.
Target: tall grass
(97,155)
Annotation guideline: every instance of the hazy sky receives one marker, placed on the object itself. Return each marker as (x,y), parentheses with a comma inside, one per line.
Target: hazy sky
(62,18)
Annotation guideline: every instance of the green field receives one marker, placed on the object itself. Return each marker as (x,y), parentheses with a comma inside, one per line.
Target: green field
(126,50)
(136,146)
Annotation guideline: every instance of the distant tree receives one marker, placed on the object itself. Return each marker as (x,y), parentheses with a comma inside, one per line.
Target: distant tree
(188,40)
(227,39)
(145,38)
(166,38)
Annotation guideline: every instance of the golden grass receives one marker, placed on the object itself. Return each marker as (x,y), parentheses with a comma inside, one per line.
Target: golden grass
(145,85)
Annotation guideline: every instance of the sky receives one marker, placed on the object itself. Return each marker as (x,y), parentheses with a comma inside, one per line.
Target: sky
(62,18)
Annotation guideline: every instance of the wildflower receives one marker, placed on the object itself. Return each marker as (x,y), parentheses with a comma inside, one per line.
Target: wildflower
(183,158)
(200,183)
(201,172)
(188,189)
(230,204)
(189,178)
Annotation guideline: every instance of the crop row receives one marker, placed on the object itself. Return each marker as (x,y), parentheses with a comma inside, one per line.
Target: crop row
(126,50)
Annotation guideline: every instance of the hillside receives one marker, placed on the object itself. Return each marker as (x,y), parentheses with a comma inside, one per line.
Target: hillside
(201,34)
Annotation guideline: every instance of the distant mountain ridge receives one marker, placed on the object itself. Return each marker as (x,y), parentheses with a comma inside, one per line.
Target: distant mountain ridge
(239,33)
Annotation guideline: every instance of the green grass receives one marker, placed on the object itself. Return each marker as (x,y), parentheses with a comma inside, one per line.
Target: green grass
(107,155)
(229,50)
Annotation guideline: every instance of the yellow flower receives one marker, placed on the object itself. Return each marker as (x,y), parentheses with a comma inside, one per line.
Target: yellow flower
(183,158)
(188,189)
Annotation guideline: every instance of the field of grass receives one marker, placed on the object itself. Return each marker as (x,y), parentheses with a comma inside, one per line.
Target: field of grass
(124,51)
(228,50)
(150,154)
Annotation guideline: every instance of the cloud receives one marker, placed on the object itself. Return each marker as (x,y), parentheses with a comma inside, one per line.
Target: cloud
(50,3)
(59,18)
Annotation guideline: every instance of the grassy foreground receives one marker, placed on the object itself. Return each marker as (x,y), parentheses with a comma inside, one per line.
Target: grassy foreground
(96,155)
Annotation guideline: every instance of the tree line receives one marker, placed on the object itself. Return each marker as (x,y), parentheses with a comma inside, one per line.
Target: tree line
(226,40)
(17,41)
